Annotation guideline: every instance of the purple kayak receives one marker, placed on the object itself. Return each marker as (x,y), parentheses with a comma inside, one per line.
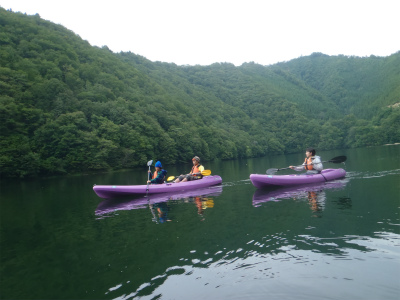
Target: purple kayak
(114,191)
(261,180)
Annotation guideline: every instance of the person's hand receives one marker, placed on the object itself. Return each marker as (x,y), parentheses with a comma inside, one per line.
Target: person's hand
(292,167)
(148,181)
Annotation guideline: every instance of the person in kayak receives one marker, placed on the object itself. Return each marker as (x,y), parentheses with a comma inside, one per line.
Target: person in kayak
(194,174)
(312,164)
(159,174)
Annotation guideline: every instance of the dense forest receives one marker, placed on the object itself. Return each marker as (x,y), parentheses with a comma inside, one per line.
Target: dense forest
(69,107)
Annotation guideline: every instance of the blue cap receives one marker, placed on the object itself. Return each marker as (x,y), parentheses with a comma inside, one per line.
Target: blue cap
(158,164)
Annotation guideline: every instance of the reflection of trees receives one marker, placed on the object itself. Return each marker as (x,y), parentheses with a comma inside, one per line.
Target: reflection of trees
(343,202)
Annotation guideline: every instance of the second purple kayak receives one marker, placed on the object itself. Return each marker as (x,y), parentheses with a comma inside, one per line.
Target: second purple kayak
(261,180)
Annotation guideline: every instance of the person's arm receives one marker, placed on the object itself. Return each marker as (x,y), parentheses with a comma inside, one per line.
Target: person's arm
(297,168)
(158,179)
(201,169)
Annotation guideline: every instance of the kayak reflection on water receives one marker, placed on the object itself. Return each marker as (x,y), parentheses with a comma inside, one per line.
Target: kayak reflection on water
(159,203)
(202,203)
(316,199)
(314,193)
(160,210)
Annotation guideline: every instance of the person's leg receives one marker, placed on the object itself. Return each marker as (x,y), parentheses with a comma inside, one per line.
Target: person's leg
(179,179)
(187,178)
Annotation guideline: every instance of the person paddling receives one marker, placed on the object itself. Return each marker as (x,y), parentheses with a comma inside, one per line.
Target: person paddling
(194,174)
(159,174)
(312,164)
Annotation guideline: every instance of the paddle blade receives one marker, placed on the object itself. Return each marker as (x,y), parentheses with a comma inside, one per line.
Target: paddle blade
(206,173)
(149,163)
(272,171)
(338,159)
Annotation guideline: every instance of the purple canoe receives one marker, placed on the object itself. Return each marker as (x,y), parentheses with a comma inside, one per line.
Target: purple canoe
(114,191)
(261,180)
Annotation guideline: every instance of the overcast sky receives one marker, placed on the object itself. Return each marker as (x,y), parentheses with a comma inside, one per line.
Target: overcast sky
(190,32)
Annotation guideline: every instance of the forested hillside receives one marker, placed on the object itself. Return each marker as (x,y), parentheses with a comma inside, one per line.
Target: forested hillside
(68,107)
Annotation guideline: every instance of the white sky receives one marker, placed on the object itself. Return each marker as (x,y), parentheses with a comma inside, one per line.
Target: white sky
(206,31)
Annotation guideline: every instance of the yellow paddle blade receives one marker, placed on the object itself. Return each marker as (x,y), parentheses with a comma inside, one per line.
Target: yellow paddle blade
(206,172)
(209,203)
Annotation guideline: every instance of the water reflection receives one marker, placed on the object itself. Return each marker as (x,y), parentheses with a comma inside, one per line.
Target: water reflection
(343,202)
(158,204)
(314,193)
(160,212)
(285,258)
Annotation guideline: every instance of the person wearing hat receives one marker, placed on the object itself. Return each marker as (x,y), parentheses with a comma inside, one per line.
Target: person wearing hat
(312,164)
(194,174)
(159,174)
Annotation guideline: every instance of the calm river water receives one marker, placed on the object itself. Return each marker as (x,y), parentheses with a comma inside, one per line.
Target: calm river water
(340,240)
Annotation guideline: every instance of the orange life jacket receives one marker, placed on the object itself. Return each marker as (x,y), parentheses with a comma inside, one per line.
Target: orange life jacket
(195,169)
(155,175)
(308,161)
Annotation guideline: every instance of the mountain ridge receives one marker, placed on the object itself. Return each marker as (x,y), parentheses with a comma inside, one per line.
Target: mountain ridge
(69,107)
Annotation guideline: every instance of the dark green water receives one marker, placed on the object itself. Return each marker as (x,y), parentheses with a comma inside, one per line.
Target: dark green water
(339,241)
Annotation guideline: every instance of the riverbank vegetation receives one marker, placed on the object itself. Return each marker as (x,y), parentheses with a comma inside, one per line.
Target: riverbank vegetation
(68,107)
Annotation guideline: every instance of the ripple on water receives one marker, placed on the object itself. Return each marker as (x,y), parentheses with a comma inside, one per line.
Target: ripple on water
(369,175)
(312,271)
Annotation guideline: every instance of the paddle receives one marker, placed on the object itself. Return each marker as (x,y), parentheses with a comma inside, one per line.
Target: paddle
(154,219)
(204,173)
(335,160)
(149,164)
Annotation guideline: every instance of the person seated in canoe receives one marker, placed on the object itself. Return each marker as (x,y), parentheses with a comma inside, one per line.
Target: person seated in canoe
(312,164)
(194,174)
(158,175)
